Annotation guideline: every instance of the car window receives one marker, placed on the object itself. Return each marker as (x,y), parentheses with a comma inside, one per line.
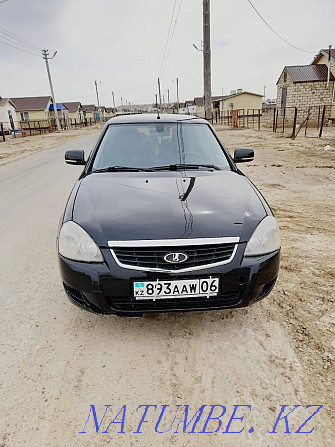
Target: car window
(149,145)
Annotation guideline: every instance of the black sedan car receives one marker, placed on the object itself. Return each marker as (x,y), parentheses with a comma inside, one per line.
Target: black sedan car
(161,219)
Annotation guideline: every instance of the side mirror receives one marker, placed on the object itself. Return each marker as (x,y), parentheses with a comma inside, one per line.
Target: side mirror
(75,157)
(243,154)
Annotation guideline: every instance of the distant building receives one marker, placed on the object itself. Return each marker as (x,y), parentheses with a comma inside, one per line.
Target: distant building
(101,113)
(239,99)
(200,106)
(187,108)
(74,110)
(62,111)
(89,112)
(110,112)
(269,104)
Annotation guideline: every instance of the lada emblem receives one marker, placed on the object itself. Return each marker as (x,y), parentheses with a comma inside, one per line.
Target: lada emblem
(175,258)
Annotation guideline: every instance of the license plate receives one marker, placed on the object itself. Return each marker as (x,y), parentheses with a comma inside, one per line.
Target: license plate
(153,290)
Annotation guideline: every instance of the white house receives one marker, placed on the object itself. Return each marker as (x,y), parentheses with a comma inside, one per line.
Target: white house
(8,114)
(188,108)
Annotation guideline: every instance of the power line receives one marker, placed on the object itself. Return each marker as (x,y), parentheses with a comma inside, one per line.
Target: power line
(275,32)
(21,49)
(234,16)
(59,62)
(71,70)
(31,48)
(229,14)
(168,36)
(59,67)
(19,39)
(173,31)
(17,42)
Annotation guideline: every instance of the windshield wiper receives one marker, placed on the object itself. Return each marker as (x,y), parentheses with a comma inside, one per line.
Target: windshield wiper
(121,168)
(176,167)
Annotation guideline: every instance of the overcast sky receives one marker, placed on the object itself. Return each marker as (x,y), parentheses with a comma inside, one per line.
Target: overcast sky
(122,43)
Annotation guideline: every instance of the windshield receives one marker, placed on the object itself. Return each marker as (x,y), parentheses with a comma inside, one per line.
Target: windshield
(161,144)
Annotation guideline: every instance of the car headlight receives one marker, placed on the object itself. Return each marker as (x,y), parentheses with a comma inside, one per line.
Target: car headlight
(265,239)
(74,243)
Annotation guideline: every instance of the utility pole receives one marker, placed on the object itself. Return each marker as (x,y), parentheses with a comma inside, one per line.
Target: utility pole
(207,59)
(160,95)
(96,83)
(168,90)
(177,82)
(45,54)
(264,92)
(114,102)
(121,106)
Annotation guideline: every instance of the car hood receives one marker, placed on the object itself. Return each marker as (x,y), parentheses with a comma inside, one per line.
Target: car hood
(167,205)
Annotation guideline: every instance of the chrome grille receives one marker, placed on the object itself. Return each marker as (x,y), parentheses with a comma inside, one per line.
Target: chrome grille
(151,257)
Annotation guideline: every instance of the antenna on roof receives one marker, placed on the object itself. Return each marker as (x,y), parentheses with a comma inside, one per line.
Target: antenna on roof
(158,117)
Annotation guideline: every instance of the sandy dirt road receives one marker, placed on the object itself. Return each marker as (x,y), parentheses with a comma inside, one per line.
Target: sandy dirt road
(57,360)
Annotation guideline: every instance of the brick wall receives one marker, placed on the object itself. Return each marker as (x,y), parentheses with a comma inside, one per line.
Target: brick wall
(304,95)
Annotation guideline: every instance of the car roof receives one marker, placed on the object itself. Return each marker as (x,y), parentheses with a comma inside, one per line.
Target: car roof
(153,118)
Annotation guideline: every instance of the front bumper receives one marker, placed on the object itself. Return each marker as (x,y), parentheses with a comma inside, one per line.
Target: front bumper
(107,288)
